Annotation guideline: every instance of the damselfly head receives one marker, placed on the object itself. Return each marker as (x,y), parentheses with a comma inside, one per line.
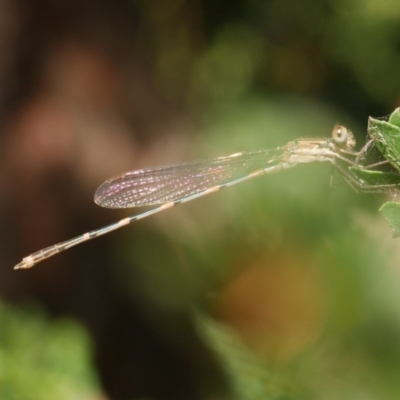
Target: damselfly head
(343,137)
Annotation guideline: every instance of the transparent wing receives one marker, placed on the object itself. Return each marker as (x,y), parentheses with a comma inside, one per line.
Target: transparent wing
(170,183)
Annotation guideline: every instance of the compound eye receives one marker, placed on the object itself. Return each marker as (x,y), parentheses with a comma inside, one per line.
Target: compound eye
(340,135)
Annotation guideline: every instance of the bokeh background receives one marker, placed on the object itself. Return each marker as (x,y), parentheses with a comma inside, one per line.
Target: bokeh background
(285,287)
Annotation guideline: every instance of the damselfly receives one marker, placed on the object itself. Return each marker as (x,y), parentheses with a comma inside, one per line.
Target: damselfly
(175,184)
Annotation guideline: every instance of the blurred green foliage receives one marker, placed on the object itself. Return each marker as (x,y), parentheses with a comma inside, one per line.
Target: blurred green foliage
(343,52)
(42,359)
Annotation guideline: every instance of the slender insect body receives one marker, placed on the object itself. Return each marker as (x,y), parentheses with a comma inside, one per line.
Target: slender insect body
(172,185)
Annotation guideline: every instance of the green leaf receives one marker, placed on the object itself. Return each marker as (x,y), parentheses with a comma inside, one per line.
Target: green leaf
(368,177)
(394,118)
(391,212)
(386,135)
